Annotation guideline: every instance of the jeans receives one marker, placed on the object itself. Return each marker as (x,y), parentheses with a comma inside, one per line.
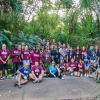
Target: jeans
(50,75)
(15,66)
(26,62)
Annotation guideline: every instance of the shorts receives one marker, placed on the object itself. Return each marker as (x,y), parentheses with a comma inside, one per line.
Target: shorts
(37,76)
(62,70)
(22,79)
(85,65)
(75,71)
(5,66)
(26,62)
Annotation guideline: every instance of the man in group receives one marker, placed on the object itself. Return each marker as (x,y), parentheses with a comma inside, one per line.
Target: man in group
(22,75)
(63,51)
(4,56)
(37,73)
(15,58)
(43,43)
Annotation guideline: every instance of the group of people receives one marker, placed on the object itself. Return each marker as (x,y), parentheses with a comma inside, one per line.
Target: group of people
(49,60)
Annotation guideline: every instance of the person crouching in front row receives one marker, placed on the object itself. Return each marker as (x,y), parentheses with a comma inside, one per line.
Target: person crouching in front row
(22,75)
(73,67)
(37,73)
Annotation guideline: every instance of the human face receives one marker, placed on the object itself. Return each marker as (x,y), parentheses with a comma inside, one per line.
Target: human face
(85,54)
(36,51)
(26,66)
(3,46)
(55,47)
(96,47)
(95,64)
(91,47)
(68,46)
(72,60)
(64,45)
(80,61)
(19,47)
(36,64)
(23,44)
(78,48)
(16,46)
(29,47)
(83,48)
(71,49)
(53,40)
(43,40)
(26,47)
(61,61)
(53,64)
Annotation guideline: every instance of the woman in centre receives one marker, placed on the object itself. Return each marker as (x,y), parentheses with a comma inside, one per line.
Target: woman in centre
(54,71)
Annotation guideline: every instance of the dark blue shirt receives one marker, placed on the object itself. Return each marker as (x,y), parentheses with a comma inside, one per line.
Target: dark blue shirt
(25,71)
(86,59)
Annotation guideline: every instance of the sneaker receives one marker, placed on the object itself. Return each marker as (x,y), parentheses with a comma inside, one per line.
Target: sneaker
(33,82)
(62,78)
(87,75)
(15,84)
(13,77)
(95,78)
(81,75)
(6,78)
(1,79)
(71,74)
(84,75)
(19,86)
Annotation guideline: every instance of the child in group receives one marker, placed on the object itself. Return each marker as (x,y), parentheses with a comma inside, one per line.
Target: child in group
(62,67)
(80,68)
(98,74)
(94,68)
(73,67)
(87,64)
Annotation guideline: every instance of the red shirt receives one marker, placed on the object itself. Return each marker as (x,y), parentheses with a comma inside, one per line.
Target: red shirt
(26,55)
(15,58)
(73,65)
(35,57)
(80,66)
(37,70)
(4,55)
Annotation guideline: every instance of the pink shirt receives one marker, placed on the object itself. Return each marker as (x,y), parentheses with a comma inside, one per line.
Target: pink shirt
(15,58)
(4,55)
(37,71)
(35,57)
(80,66)
(73,65)
(62,66)
(26,54)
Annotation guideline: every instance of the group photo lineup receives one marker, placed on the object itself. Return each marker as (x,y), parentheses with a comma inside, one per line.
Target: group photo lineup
(49,60)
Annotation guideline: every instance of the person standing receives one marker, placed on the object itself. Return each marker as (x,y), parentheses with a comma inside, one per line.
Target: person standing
(78,54)
(15,58)
(46,60)
(70,55)
(4,56)
(35,57)
(56,55)
(26,56)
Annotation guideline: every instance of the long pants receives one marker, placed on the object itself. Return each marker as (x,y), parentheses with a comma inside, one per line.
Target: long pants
(15,66)
(50,75)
